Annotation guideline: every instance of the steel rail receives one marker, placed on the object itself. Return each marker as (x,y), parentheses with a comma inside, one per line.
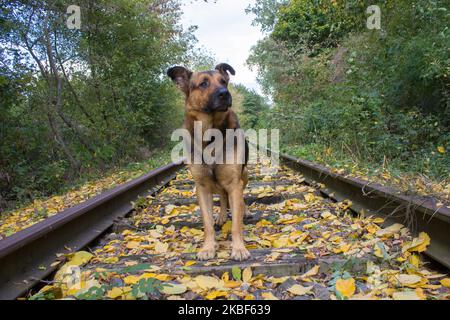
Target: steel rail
(26,257)
(422,214)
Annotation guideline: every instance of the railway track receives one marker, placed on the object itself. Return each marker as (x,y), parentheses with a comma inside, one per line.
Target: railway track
(302,221)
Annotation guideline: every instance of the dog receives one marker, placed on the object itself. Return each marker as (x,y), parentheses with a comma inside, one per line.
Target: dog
(209,101)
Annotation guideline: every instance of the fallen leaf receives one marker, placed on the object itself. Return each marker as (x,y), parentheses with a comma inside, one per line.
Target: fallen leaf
(346,287)
(216,294)
(161,247)
(206,282)
(418,244)
(408,279)
(115,293)
(299,290)
(79,258)
(390,231)
(133,244)
(314,271)
(247,274)
(406,295)
(189,263)
(226,228)
(268,296)
(173,289)
(236,272)
(446,282)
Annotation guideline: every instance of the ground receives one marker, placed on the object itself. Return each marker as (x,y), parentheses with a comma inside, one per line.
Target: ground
(303,247)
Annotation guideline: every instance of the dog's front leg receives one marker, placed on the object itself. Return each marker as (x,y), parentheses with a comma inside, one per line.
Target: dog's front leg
(205,199)
(236,197)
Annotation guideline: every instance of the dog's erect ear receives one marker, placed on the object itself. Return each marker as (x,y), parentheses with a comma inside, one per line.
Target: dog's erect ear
(224,68)
(181,76)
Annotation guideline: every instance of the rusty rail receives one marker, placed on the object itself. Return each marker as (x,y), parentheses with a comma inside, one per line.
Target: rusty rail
(26,257)
(419,213)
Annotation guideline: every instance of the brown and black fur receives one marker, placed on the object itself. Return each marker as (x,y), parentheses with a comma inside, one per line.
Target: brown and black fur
(208,100)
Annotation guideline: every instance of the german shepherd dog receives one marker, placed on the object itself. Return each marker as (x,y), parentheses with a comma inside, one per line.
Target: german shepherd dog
(208,101)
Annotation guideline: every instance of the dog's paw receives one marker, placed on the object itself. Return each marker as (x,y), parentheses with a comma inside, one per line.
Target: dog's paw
(240,253)
(206,253)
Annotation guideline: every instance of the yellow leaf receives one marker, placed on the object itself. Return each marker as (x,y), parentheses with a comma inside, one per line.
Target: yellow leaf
(131,279)
(390,231)
(189,263)
(377,251)
(406,295)
(70,289)
(161,247)
(115,293)
(79,258)
(196,232)
(268,296)
(133,244)
(281,242)
(206,282)
(378,220)
(346,288)
(216,294)
(173,289)
(314,271)
(299,290)
(446,282)
(277,280)
(372,228)
(326,215)
(226,228)
(160,277)
(408,279)
(232,284)
(418,244)
(414,260)
(110,260)
(441,149)
(247,274)
(309,197)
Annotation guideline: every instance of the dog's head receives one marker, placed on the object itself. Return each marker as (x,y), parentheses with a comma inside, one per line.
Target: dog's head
(205,91)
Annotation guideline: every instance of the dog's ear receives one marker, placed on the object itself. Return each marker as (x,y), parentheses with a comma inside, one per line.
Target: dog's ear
(224,68)
(181,77)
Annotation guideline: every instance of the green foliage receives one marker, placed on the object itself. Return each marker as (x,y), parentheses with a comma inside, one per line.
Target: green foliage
(343,92)
(311,25)
(254,107)
(103,103)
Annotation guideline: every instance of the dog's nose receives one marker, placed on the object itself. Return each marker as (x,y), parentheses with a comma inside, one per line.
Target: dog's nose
(223,93)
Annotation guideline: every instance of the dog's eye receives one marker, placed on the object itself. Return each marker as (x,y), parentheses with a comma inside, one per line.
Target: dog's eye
(223,82)
(204,84)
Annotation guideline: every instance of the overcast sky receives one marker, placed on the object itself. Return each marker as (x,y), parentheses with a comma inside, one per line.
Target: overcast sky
(225,30)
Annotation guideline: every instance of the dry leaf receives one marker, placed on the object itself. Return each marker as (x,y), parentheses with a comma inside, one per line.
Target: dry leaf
(173,289)
(406,295)
(247,274)
(314,271)
(268,296)
(408,279)
(206,282)
(446,282)
(299,290)
(346,287)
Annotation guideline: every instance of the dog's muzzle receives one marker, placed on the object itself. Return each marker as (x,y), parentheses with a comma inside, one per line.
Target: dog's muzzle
(220,101)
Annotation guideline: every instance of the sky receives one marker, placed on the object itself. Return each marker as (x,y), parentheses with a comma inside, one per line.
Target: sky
(225,30)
